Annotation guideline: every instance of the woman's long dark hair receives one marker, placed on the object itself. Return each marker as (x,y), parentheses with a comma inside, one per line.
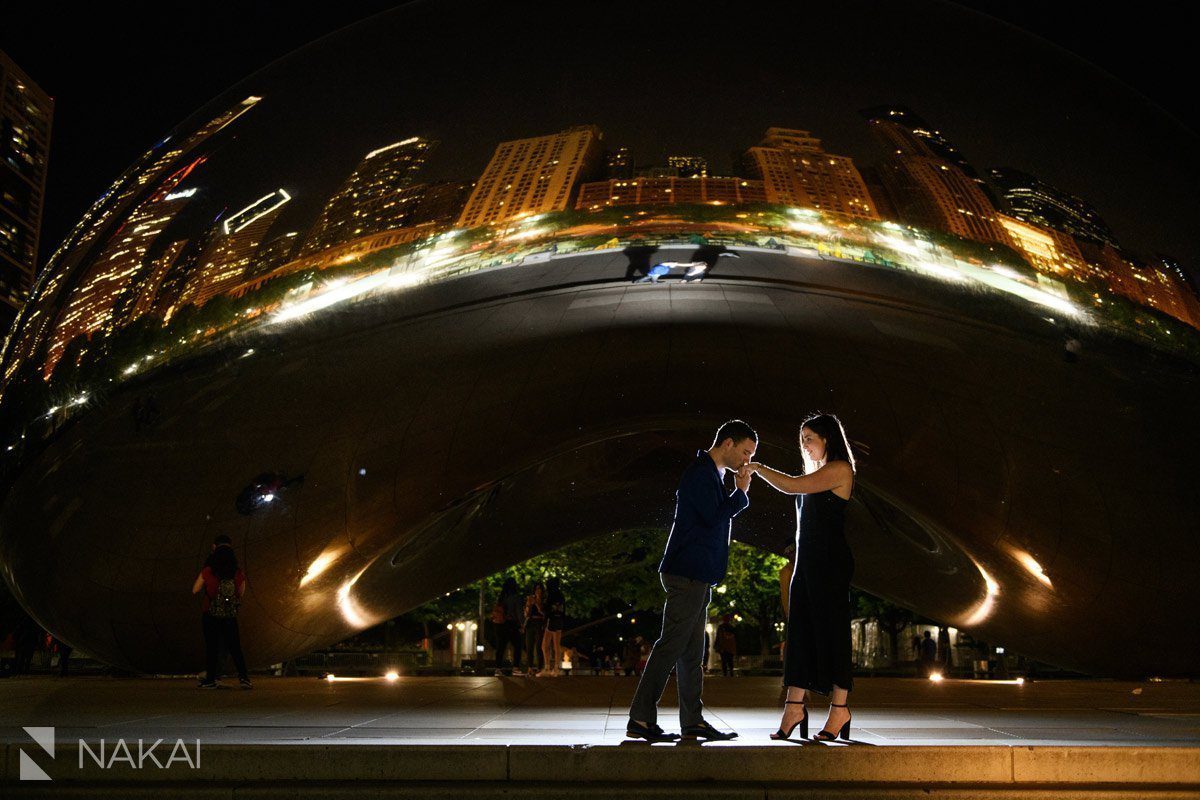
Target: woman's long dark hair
(554,591)
(222,561)
(509,587)
(829,428)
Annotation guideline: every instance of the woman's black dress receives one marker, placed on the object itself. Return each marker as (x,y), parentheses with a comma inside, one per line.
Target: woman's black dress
(818,653)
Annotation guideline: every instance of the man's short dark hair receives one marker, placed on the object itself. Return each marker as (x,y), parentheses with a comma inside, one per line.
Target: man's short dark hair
(222,539)
(734,429)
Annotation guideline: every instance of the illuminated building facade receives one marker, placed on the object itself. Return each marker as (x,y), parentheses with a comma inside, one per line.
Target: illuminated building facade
(1035,201)
(110,210)
(933,193)
(26,114)
(689,166)
(904,133)
(121,262)
(231,253)
(1148,285)
(618,163)
(796,171)
(669,191)
(375,197)
(533,176)
(1047,250)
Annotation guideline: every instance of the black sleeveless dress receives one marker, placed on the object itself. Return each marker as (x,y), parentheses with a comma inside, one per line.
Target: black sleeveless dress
(818,652)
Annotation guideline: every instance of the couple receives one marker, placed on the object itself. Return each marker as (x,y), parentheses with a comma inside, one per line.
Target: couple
(817,656)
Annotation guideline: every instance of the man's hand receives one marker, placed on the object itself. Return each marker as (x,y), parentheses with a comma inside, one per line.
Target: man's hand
(741,478)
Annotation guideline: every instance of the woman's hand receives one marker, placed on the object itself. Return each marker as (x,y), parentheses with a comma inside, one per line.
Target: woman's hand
(754,466)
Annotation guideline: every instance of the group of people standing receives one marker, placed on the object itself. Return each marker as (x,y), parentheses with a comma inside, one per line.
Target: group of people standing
(532,626)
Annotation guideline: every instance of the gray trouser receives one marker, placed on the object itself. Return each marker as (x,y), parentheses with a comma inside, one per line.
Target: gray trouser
(680,646)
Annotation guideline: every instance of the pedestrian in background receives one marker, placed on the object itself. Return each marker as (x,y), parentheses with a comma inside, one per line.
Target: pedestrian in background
(222,583)
(535,627)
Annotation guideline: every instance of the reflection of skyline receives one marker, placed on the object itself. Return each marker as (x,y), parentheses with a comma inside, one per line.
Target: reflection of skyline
(386,201)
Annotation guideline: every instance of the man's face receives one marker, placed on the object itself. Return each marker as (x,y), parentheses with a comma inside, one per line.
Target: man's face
(735,454)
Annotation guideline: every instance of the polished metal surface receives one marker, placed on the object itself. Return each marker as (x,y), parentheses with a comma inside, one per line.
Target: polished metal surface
(383,424)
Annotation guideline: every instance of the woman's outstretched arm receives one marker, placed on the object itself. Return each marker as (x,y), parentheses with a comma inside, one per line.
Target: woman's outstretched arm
(831,476)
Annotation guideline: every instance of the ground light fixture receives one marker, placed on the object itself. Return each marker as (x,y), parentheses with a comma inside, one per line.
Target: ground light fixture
(392,675)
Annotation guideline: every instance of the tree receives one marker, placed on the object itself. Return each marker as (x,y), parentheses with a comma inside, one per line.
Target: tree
(751,590)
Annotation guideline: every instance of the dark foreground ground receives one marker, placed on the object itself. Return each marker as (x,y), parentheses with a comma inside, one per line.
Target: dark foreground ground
(534,737)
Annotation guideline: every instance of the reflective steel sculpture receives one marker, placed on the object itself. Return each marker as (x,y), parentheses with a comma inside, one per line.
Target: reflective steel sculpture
(433,295)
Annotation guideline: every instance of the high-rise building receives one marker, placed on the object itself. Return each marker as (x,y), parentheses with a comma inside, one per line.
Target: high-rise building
(1036,201)
(96,224)
(374,198)
(533,176)
(1173,266)
(669,191)
(231,253)
(26,113)
(906,134)
(1145,284)
(931,193)
(1047,250)
(91,306)
(440,204)
(796,171)
(619,164)
(689,166)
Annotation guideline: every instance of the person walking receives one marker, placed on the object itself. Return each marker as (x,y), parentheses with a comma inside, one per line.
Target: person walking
(696,559)
(818,656)
(223,584)
(556,621)
(535,626)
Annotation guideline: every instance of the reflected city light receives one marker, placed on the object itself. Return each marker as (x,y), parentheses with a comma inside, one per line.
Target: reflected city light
(1034,568)
(351,611)
(320,564)
(984,608)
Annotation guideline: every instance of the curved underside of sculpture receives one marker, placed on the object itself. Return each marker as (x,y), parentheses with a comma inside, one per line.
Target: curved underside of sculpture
(1034,500)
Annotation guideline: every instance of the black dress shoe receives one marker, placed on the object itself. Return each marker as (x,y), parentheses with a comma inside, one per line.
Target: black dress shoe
(706,731)
(651,733)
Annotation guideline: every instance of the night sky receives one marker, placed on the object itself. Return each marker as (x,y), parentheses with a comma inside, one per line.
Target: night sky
(1126,143)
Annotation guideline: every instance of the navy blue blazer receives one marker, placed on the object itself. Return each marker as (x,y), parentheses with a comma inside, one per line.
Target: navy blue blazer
(698,547)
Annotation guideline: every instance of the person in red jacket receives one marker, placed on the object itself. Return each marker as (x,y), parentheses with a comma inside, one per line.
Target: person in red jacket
(223,583)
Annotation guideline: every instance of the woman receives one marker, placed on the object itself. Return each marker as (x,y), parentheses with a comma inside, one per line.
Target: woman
(535,624)
(223,583)
(556,620)
(818,656)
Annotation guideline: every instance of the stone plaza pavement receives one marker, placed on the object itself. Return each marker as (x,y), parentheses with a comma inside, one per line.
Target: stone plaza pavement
(517,736)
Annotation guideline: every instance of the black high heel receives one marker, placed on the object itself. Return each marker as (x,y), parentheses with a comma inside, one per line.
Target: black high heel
(781,734)
(825,736)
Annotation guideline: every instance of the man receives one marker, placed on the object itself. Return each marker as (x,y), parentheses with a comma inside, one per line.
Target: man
(695,560)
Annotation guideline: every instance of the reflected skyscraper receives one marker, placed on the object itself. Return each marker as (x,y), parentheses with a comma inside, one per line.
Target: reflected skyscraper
(90,308)
(689,166)
(226,260)
(533,176)
(26,114)
(1033,200)
(796,171)
(596,195)
(97,222)
(376,197)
